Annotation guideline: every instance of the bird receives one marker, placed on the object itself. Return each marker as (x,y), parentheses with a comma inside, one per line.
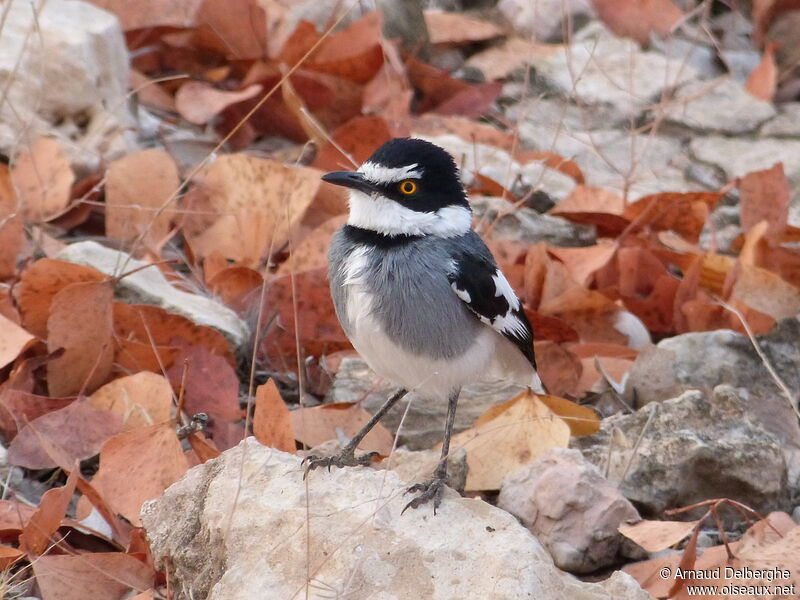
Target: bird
(419,294)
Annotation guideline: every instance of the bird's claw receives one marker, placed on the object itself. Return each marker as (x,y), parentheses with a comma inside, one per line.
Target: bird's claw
(343,459)
(431,490)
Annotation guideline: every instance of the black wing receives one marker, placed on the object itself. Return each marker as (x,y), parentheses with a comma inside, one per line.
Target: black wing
(481,285)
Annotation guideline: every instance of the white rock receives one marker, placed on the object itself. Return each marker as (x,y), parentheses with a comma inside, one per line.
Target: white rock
(65,69)
(738,157)
(246,525)
(542,19)
(786,124)
(612,71)
(571,508)
(149,286)
(722,105)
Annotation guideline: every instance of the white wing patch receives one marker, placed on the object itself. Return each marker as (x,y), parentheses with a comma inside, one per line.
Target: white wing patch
(503,288)
(381,175)
(463,294)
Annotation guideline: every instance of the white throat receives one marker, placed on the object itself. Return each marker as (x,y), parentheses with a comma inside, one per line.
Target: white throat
(388,217)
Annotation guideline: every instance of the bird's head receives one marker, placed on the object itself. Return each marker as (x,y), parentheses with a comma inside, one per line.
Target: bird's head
(407,187)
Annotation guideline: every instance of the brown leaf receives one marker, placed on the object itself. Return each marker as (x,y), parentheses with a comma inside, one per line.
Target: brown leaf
(498,62)
(12,232)
(19,407)
(140,399)
(473,101)
(149,92)
(765,197)
(765,292)
(313,426)
(455,28)
(583,262)
(99,576)
(687,561)
(354,53)
(683,213)
(138,465)
(151,13)
(35,538)
(199,102)
(594,206)
(75,432)
(272,423)
(312,251)
(14,515)
(655,536)
(358,138)
(237,29)
(763,80)
(133,198)
(153,325)
(9,556)
(13,340)
(581,420)
(239,287)
(43,179)
(559,369)
(81,323)
(509,436)
(40,283)
(131,356)
(637,19)
(255,204)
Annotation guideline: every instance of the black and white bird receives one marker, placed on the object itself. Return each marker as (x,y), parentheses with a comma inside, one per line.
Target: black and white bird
(417,291)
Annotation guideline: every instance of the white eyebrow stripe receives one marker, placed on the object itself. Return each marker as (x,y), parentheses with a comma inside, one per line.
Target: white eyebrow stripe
(380,174)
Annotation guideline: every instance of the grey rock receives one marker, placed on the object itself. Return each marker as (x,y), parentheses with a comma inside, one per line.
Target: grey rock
(526,225)
(722,105)
(611,71)
(571,508)
(542,121)
(738,156)
(741,62)
(701,57)
(691,448)
(786,124)
(543,20)
(423,426)
(246,525)
(149,286)
(64,71)
(796,514)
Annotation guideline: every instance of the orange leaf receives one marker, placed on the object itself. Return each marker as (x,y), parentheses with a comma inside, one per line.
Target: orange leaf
(313,426)
(272,423)
(43,179)
(99,576)
(12,233)
(140,399)
(35,538)
(655,536)
(9,556)
(637,19)
(581,420)
(358,138)
(354,53)
(765,197)
(237,29)
(583,262)
(13,340)
(198,102)
(763,80)
(138,465)
(683,213)
(455,28)
(81,323)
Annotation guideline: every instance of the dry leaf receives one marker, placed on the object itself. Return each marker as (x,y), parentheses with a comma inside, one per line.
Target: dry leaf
(141,399)
(581,420)
(509,436)
(12,232)
(9,556)
(456,28)
(272,423)
(239,287)
(13,340)
(39,285)
(14,515)
(138,465)
(199,102)
(151,13)
(765,292)
(137,186)
(358,139)
(35,538)
(19,407)
(75,432)
(313,426)
(583,262)
(763,80)
(237,29)
(43,179)
(655,536)
(637,19)
(99,576)
(498,62)
(81,323)
(765,197)
(354,53)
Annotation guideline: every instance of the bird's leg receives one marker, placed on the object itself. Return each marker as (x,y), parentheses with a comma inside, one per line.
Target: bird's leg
(432,489)
(347,457)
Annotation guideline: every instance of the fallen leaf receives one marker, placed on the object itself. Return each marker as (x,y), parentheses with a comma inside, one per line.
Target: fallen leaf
(764,196)
(637,19)
(36,536)
(19,407)
(765,12)
(582,420)
(765,292)
(763,80)
(43,179)
(141,399)
(75,432)
(312,251)
(14,515)
(138,465)
(199,102)
(150,92)
(13,340)
(558,368)
(99,576)
(509,436)
(474,101)
(254,204)
(236,29)
(454,28)
(131,356)
(40,283)
(81,323)
(683,213)
(655,536)
(239,287)
(583,262)
(313,426)
(9,556)
(354,53)
(594,206)
(498,62)
(353,143)
(12,231)
(152,325)
(272,422)
(151,13)
(138,186)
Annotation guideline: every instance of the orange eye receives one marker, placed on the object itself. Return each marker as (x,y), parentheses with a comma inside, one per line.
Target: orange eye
(408,187)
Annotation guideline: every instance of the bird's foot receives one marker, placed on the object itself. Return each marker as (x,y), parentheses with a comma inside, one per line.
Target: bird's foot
(346,458)
(430,490)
